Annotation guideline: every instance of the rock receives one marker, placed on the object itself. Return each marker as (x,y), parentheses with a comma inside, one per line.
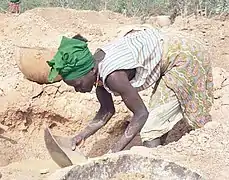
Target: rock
(65,88)
(218,77)
(123,30)
(3,127)
(50,90)
(217,93)
(113,165)
(212,125)
(225,98)
(25,87)
(44,171)
(2,92)
(4,160)
(188,143)
(163,21)
(59,174)
(140,149)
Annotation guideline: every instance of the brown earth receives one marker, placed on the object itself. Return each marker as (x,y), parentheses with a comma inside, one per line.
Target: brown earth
(26,107)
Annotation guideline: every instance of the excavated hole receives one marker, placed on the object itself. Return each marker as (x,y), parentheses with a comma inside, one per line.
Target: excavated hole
(24,140)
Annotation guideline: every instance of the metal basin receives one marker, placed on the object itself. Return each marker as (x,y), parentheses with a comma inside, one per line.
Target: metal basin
(60,150)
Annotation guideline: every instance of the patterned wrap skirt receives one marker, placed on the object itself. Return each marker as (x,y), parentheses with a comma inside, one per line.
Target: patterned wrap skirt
(185,89)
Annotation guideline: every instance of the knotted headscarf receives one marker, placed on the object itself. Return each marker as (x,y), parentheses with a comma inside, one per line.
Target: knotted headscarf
(15,1)
(72,60)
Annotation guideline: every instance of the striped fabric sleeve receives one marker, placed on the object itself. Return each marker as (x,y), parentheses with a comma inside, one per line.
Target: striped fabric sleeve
(141,51)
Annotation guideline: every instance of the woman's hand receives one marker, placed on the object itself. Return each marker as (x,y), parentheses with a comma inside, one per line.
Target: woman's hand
(77,140)
(91,128)
(131,131)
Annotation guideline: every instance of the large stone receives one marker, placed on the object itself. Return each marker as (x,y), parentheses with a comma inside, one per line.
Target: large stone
(125,165)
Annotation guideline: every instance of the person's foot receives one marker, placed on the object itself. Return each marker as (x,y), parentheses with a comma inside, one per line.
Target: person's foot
(152,144)
(163,138)
(156,142)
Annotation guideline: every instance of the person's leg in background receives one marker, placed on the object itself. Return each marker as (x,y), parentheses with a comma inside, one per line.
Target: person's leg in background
(14,7)
(10,7)
(17,7)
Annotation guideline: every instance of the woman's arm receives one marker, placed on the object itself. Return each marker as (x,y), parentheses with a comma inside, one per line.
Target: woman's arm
(118,82)
(104,114)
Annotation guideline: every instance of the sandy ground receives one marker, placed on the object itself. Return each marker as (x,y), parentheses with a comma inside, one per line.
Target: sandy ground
(26,107)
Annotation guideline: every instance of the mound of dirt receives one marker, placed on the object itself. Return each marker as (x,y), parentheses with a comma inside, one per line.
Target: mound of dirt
(213,32)
(36,28)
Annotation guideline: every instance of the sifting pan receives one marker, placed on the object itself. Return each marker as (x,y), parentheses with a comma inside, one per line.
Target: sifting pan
(60,150)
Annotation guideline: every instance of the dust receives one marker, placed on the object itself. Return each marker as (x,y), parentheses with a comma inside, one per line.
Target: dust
(27,107)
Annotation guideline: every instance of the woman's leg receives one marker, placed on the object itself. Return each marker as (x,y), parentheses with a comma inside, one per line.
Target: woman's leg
(153,143)
(164,113)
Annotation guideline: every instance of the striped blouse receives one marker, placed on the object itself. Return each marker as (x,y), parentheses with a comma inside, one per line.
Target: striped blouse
(141,50)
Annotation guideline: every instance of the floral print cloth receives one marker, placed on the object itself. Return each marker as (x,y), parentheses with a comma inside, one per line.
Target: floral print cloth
(187,72)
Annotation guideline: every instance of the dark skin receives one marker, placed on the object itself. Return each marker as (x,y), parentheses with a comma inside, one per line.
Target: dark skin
(119,82)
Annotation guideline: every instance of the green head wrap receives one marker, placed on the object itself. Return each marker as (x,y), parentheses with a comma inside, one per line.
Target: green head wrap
(72,60)
(15,1)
